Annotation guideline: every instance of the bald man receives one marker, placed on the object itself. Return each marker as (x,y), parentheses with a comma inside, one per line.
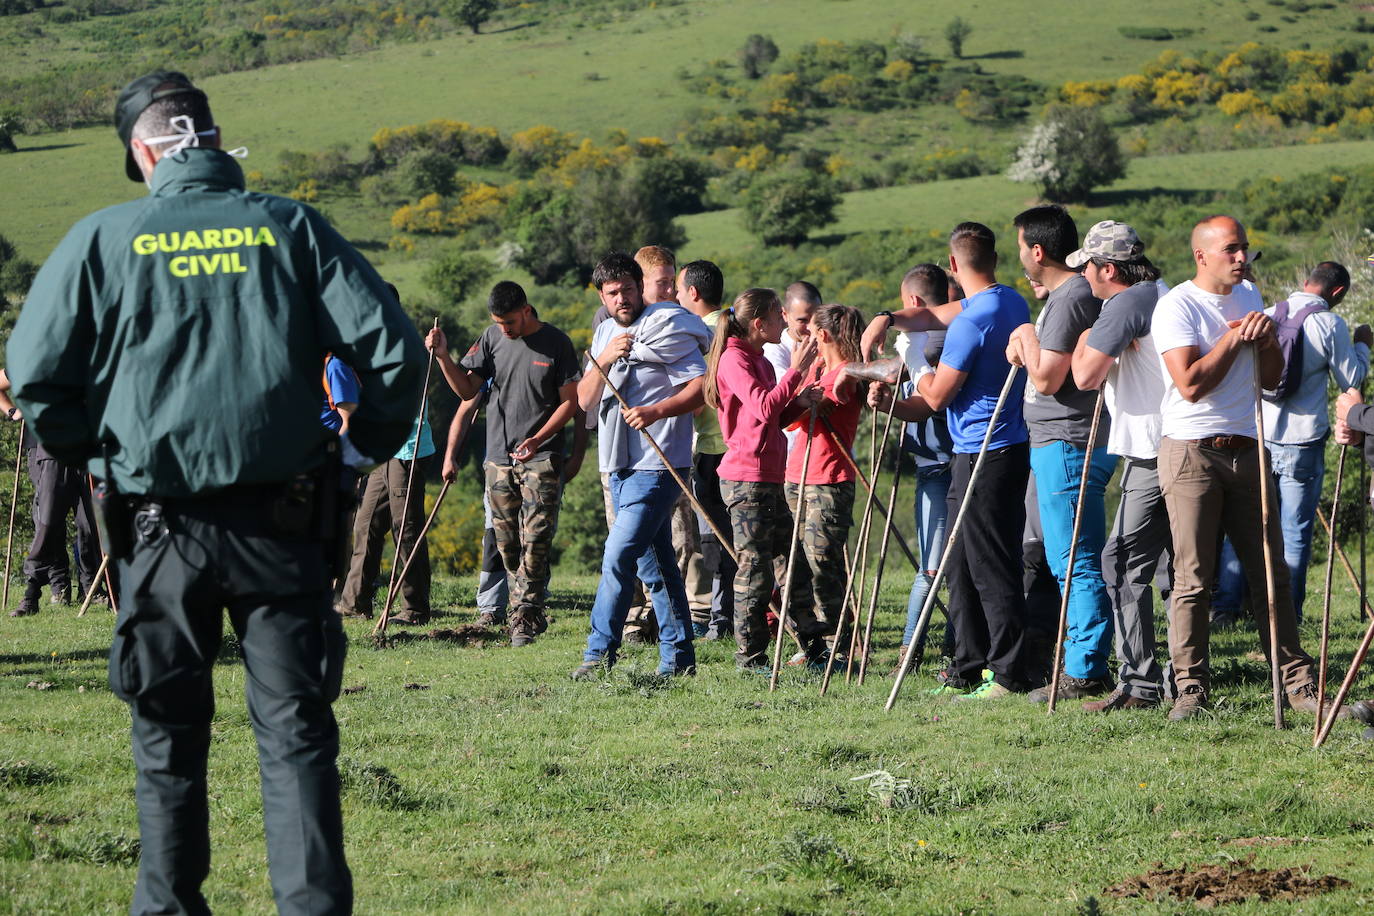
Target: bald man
(1209,332)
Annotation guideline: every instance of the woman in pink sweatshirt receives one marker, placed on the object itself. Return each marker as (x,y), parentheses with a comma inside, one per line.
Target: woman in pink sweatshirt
(753,406)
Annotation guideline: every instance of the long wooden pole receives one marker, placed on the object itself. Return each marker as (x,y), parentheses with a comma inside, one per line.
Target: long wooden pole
(1346,684)
(1063,630)
(90,589)
(866,536)
(1264,485)
(410,477)
(1326,593)
(14,504)
(952,538)
(380,629)
(863,479)
(798,516)
(878,573)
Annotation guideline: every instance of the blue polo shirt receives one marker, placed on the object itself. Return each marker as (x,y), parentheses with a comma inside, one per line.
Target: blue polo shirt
(977,344)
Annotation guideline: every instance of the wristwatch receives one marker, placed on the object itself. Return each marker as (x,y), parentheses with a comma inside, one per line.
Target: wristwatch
(12,411)
(886,313)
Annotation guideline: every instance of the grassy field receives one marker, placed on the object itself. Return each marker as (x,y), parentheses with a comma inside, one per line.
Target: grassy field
(508,788)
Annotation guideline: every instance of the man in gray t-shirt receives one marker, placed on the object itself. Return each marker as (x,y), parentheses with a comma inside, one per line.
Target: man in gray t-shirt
(1120,354)
(1060,417)
(533,370)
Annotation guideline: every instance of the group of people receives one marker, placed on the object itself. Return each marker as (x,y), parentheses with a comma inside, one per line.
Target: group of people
(212,498)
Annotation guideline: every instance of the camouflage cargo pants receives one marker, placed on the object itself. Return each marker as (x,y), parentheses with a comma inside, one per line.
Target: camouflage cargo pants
(761,527)
(524,498)
(828,513)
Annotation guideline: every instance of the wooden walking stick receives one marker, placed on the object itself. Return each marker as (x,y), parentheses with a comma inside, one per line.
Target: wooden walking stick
(1326,594)
(410,477)
(1345,563)
(866,535)
(90,589)
(863,479)
(1364,526)
(792,552)
(878,576)
(1264,484)
(395,590)
(852,620)
(1063,631)
(14,503)
(1346,684)
(952,538)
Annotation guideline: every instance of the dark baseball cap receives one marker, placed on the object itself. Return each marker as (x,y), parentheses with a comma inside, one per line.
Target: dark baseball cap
(136,97)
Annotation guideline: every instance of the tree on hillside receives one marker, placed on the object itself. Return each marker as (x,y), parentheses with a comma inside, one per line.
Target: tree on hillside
(782,208)
(1068,154)
(562,231)
(471,13)
(956,33)
(9,126)
(758,53)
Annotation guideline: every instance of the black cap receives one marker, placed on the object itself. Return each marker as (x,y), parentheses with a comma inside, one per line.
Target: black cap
(136,97)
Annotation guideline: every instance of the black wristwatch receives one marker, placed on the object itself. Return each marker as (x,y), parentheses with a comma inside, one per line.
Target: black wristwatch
(11,412)
(886,313)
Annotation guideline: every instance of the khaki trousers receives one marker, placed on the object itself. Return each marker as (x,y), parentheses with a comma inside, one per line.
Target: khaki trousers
(1208,491)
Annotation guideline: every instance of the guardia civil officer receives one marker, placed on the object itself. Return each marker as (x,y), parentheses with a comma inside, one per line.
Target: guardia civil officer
(173,344)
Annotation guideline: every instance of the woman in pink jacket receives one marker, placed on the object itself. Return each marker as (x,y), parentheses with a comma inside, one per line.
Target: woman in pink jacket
(754,405)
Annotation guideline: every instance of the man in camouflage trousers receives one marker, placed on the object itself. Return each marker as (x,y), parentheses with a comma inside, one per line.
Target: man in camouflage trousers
(534,371)
(827,515)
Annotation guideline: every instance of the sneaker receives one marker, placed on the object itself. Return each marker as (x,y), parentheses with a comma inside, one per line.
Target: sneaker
(946,689)
(1304,699)
(27,607)
(1192,701)
(60,594)
(988,690)
(1073,688)
(801,658)
(699,630)
(1119,699)
(590,669)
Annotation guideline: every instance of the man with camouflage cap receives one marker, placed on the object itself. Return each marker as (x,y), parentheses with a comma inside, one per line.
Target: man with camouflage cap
(1120,353)
(219,486)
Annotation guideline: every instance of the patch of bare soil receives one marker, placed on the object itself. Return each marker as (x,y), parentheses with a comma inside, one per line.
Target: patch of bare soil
(1214,885)
(468,634)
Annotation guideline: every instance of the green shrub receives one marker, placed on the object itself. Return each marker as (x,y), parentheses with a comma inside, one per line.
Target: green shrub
(784,207)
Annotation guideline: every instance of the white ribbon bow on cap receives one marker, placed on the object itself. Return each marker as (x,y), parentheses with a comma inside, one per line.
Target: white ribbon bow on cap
(187,135)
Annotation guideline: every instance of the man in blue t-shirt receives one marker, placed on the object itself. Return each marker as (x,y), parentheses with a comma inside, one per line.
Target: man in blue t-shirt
(984,565)
(340,394)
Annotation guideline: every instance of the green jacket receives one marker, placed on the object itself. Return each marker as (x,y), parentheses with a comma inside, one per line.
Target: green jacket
(188,330)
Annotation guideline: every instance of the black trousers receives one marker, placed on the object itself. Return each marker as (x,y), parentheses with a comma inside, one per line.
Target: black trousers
(219,555)
(985,598)
(706,488)
(58,491)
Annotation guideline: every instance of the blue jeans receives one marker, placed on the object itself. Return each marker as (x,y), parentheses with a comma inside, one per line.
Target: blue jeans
(640,544)
(1058,471)
(1298,471)
(932,492)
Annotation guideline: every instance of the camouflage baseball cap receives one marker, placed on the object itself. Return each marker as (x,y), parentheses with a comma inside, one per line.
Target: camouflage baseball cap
(1110,241)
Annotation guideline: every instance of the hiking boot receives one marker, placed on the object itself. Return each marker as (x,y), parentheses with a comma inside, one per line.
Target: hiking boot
(60,593)
(988,690)
(353,613)
(901,659)
(718,630)
(635,638)
(411,618)
(699,630)
(590,669)
(1192,701)
(27,607)
(1119,700)
(1073,688)
(1304,699)
(489,620)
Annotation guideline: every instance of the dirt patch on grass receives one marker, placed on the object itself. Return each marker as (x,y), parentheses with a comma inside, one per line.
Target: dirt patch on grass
(1214,885)
(469,634)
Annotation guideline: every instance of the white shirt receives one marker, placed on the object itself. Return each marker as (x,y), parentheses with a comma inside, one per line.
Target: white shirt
(1188,316)
(1326,350)
(780,355)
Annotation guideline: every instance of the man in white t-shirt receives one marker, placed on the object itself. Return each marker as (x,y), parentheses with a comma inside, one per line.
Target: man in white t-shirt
(1119,351)
(1209,332)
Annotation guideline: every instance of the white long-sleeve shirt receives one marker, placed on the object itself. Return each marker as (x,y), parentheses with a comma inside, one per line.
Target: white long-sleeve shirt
(1327,351)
